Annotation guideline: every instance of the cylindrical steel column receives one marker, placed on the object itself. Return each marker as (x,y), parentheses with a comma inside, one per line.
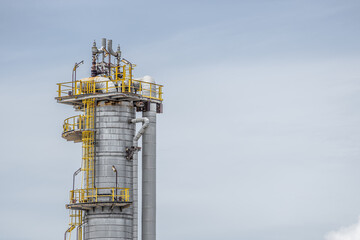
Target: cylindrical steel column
(113,134)
(149,176)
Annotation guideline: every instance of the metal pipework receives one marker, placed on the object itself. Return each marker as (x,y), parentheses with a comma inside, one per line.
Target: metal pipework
(149,176)
(116,174)
(67,230)
(77,231)
(111,51)
(145,122)
(96,50)
(118,51)
(103,48)
(116,54)
(103,44)
(74,175)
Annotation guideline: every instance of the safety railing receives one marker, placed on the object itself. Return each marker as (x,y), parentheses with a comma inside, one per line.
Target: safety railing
(79,87)
(74,123)
(99,195)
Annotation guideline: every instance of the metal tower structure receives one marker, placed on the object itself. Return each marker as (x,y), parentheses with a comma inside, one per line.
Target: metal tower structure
(105,206)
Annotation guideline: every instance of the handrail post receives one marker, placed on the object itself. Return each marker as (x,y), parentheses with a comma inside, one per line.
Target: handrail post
(124,72)
(129,85)
(160,92)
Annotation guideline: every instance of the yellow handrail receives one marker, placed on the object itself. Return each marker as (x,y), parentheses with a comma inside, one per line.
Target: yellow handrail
(145,89)
(74,123)
(96,194)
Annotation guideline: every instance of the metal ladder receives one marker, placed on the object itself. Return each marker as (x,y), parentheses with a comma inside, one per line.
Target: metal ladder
(88,155)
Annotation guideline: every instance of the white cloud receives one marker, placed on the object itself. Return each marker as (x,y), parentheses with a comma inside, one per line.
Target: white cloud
(345,233)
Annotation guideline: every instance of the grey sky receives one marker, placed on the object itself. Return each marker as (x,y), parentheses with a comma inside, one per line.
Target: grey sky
(260,133)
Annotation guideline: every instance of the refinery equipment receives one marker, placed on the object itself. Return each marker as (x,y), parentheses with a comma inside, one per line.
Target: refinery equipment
(105,205)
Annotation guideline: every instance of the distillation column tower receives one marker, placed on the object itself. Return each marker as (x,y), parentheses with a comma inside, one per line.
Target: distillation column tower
(105,204)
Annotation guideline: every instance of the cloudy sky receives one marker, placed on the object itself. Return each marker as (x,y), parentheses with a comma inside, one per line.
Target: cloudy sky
(260,136)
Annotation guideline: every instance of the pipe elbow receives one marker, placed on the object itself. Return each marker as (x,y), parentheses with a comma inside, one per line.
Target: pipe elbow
(111,51)
(102,49)
(145,122)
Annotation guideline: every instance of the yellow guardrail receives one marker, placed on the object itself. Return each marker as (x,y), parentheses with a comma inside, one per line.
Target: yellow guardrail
(79,87)
(99,194)
(74,123)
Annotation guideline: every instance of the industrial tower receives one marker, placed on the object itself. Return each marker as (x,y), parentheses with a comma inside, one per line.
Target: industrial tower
(105,206)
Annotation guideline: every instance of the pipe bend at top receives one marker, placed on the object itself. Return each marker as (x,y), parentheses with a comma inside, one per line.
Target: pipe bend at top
(102,49)
(103,43)
(111,51)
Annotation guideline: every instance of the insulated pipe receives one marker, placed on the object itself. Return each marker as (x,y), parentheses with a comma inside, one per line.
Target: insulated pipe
(102,49)
(103,43)
(116,54)
(95,50)
(149,176)
(145,122)
(135,190)
(111,51)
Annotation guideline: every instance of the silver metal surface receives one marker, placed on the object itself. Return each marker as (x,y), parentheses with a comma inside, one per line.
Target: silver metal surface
(114,133)
(135,206)
(103,43)
(145,122)
(111,51)
(149,176)
(108,224)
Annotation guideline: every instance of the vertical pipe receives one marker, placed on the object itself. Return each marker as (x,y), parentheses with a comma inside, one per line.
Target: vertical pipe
(135,204)
(149,176)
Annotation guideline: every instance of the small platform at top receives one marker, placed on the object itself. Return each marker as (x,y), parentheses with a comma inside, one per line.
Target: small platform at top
(73,93)
(90,205)
(77,99)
